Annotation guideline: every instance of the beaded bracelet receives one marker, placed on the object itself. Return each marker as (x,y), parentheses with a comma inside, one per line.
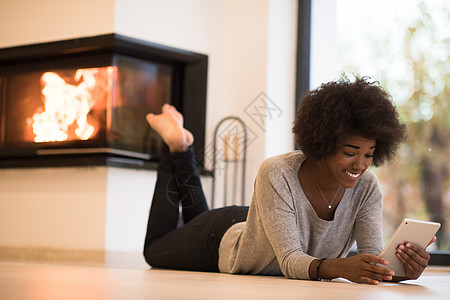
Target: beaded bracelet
(320,261)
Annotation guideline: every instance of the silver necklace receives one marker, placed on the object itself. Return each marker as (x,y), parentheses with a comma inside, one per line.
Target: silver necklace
(318,187)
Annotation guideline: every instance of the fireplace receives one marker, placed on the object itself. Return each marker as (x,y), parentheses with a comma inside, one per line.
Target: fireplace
(83,101)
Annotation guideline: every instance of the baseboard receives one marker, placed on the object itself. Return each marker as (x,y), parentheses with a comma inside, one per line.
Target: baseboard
(40,254)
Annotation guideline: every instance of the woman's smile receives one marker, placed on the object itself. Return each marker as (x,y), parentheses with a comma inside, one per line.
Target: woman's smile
(353,176)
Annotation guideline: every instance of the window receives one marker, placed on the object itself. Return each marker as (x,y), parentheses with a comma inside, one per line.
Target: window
(405,45)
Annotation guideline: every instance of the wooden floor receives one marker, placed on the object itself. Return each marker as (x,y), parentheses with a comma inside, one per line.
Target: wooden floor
(20,281)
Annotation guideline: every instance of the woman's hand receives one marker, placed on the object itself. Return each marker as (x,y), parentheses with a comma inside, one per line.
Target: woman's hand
(414,259)
(359,268)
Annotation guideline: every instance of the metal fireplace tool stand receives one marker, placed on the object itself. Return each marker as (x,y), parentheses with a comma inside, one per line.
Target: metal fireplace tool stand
(230,156)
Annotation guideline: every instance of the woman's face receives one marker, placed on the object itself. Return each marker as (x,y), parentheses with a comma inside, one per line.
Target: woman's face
(351,160)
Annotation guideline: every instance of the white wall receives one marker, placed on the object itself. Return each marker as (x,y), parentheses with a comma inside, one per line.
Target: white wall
(28,21)
(53,208)
(281,71)
(129,194)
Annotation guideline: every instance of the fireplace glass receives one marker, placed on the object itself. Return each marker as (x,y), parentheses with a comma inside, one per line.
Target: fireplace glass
(59,109)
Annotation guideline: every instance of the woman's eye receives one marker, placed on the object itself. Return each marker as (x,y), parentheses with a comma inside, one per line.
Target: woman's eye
(369,155)
(349,154)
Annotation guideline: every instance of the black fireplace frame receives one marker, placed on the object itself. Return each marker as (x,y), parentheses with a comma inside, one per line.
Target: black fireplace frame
(189,88)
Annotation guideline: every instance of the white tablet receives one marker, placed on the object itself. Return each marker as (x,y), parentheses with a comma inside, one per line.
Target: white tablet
(413,231)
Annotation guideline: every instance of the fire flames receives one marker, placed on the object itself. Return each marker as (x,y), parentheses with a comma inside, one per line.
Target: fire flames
(66,106)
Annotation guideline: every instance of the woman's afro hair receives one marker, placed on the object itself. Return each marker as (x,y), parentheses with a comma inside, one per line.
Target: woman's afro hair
(328,114)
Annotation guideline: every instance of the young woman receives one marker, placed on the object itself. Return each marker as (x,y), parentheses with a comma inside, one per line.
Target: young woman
(308,207)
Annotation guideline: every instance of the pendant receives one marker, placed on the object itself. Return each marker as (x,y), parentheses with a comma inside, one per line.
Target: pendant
(329,206)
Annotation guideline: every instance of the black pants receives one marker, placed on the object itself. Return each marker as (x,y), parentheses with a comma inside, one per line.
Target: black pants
(195,245)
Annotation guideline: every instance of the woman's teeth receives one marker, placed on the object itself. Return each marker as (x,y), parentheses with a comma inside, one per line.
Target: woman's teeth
(352,175)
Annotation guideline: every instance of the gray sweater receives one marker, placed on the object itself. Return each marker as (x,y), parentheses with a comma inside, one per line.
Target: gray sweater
(283,233)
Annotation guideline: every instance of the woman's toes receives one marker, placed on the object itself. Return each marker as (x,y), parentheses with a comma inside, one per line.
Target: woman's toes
(149,117)
(188,137)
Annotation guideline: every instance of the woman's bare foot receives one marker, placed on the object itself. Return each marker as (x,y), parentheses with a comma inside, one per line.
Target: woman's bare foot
(169,125)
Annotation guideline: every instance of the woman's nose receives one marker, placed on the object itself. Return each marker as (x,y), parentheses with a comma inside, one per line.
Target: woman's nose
(359,163)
